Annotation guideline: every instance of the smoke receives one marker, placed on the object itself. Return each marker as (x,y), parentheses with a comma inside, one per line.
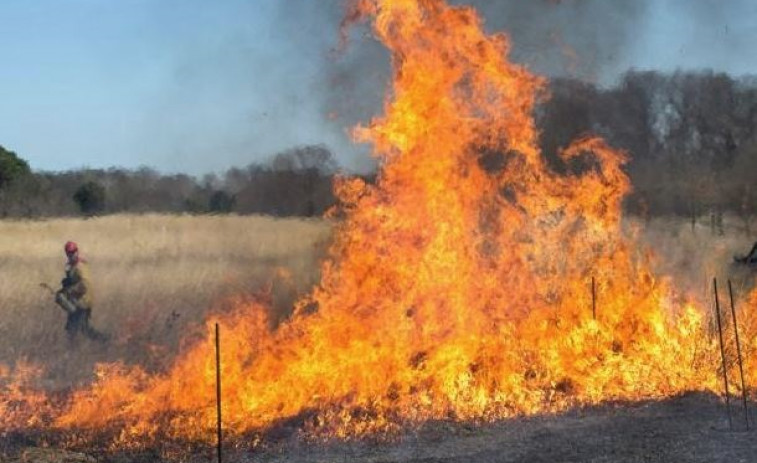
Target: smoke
(301,87)
(692,255)
(586,39)
(354,71)
(597,41)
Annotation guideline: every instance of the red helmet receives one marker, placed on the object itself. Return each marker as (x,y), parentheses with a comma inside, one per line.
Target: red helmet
(71,247)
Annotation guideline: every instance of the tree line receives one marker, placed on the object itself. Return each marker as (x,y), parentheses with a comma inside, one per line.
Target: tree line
(296,182)
(691,137)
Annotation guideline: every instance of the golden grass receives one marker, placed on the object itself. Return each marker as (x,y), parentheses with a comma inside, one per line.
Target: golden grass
(157,276)
(153,276)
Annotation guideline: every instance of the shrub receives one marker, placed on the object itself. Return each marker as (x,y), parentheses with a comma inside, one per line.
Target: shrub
(90,197)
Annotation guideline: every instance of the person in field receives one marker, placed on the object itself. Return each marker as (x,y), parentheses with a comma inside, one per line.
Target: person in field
(75,295)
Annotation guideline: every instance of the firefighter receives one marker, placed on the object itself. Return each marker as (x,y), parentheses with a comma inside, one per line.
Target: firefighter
(75,295)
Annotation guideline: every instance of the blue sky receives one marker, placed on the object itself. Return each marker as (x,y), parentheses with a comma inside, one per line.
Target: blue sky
(196,86)
(695,34)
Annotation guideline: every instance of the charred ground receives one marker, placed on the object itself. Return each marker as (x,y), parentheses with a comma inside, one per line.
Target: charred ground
(689,428)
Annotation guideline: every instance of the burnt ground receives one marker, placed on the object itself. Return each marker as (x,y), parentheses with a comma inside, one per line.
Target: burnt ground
(689,428)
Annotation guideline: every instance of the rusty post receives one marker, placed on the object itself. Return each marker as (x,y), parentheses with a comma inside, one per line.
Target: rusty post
(738,353)
(593,299)
(722,353)
(218,393)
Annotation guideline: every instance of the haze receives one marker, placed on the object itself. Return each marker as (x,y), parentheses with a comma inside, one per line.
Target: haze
(193,86)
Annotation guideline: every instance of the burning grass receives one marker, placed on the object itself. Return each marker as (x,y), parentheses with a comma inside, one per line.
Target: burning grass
(692,257)
(456,287)
(154,277)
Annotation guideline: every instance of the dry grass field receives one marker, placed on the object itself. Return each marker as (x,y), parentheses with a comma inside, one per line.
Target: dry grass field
(154,278)
(692,256)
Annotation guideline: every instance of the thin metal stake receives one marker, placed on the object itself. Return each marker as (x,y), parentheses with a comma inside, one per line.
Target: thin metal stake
(738,353)
(218,392)
(722,354)
(593,299)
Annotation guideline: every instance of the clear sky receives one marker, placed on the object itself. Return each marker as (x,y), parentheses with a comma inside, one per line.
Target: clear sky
(196,86)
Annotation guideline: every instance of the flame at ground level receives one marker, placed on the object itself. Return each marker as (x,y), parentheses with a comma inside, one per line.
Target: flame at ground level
(458,285)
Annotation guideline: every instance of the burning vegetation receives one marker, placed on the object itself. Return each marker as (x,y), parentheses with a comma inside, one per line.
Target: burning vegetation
(459,286)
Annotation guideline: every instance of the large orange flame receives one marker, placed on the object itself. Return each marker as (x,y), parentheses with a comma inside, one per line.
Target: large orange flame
(459,285)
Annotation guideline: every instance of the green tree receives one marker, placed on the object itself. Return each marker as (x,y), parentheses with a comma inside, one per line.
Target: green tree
(221,202)
(11,167)
(90,197)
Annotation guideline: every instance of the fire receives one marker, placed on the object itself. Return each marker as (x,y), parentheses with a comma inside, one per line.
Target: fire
(21,404)
(459,285)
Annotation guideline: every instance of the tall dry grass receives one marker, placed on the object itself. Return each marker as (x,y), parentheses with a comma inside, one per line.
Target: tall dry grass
(154,277)
(691,256)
